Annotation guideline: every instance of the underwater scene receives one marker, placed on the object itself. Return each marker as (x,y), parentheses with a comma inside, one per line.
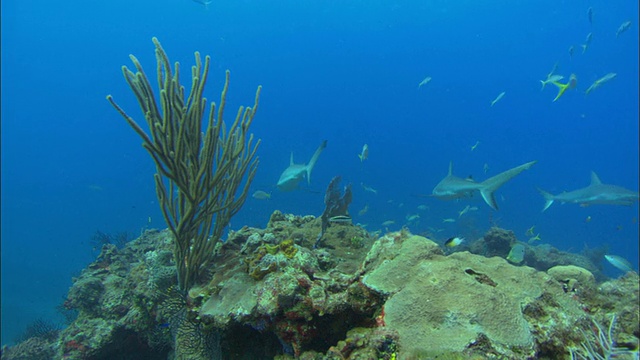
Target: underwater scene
(200,179)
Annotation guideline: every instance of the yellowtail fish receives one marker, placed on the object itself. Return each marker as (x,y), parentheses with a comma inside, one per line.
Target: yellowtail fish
(500,96)
(619,262)
(623,27)
(475,145)
(453,242)
(368,188)
(364,154)
(551,79)
(530,231)
(534,239)
(388,223)
(449,220)
(424,82)
(423,207)
(261,195)
(516,255)
(413,217)
(596,84)
(463,211)
(562,88)
(585,46)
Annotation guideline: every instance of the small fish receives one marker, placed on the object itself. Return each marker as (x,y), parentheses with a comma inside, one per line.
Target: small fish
(261,195)
(553,70)
(588,219)
(340,219)
(485,168)
(204,2)
(571,52)
(473,208)
(619,262)
(424,82)
(516,255)
(585,46)
(453,242)
(369,188)
(413,217)
(534,239)
(463,211)
(551,79)
(596,84)
(363,210)
(364,154)
(590,15)
(448,220)
(623,27)
(500,96)
(562,88)
(388,223)
(475,145)
(423,207)
(530,231)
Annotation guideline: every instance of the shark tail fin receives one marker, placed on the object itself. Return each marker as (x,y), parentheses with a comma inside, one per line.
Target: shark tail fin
(313,160)
(548,198)
(489,186)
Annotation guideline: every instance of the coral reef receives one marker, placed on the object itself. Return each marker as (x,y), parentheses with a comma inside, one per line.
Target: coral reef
(272,295)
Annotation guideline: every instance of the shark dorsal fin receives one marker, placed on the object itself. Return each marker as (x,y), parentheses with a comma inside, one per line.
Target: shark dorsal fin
(595,180)
(291,159)
(450,168)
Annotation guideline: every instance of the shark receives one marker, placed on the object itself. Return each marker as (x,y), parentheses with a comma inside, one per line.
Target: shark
(595,193)
(453,187)
(291,176)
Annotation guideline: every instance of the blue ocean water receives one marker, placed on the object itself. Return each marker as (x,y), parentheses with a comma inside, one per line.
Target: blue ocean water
(347,72)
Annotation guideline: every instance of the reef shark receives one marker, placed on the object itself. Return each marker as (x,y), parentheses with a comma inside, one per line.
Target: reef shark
(453,187)
(595,193)
(291,176)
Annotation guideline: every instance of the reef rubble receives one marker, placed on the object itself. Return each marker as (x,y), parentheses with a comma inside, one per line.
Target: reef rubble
(272,295)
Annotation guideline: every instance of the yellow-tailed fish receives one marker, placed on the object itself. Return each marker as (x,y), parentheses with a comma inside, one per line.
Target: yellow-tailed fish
(368,188)
(388,223)
(500,96)
(623,27)
(534,239)
(619,262)
(364,154)
(413,217)
(551,79)
(562,88)
(453,242)
(424,82)
(530,231)
(596,84)
(449,220)
(463,211)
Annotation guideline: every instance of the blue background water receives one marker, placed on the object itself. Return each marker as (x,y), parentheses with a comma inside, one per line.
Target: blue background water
(342,71)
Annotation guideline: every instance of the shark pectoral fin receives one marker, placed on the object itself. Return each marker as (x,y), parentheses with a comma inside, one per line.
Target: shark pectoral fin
(489,199)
